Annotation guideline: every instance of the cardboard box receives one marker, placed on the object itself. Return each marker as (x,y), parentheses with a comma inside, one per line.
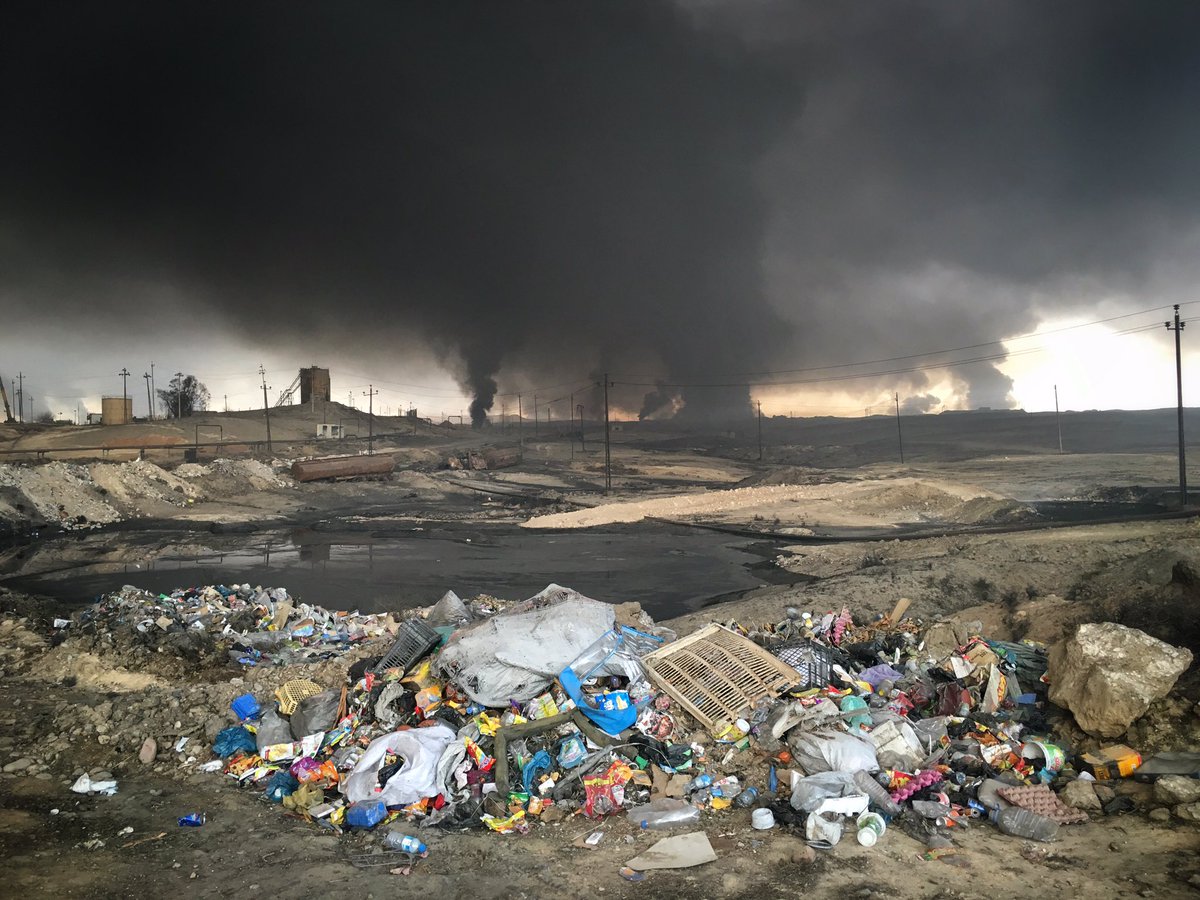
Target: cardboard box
(1117,761)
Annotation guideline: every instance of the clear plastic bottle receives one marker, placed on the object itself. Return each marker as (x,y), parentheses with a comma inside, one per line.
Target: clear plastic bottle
(746,798)
(878,794)
(664,813)
(405,843)
(1025,824)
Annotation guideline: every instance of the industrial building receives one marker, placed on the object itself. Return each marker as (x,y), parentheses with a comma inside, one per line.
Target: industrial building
(314,384)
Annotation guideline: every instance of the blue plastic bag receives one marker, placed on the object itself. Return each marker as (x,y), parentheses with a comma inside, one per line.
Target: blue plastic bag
(282,784)
(232,739)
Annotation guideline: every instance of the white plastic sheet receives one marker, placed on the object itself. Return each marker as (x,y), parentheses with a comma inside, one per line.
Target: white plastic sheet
(421,748)
(516,656)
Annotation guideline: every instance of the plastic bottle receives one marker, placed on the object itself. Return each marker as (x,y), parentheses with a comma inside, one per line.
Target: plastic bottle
(1025,824)
(700,781)
(880,798)
(405,843)
(746,798)
(664,813)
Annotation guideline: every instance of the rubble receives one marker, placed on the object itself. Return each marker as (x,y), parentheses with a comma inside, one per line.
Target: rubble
(1107,675)
(1172,790)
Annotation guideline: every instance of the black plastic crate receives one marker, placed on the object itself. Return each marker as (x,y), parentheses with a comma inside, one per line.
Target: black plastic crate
(414,639)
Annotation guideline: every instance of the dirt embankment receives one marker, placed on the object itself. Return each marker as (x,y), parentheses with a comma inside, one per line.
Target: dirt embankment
(804,507)
(75,497)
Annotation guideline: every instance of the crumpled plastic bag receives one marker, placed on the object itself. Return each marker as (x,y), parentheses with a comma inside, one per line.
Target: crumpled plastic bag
(315,714)
(421,749)
(450,610)
(516,656)
(808,794)
(232,739)
(832,751)
(272,729)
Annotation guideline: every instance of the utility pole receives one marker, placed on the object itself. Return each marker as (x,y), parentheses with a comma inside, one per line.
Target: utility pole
(607,442)
(153,389)
(226,403)
(20,396)
(124,373)
(899,433)
(266,407)
(149,403)
(582,445)
(370,393)
(1057,420)
(760,431)
(1178,329)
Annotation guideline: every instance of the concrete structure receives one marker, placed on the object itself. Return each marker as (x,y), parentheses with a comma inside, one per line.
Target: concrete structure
(314,384)
(330,432)
(116,410)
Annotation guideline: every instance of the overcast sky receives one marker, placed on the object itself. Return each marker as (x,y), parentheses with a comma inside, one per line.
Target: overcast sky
(455,200)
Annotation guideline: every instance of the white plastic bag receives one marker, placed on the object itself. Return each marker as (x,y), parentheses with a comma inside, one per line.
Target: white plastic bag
(832,751)
(421,749)
(516,656)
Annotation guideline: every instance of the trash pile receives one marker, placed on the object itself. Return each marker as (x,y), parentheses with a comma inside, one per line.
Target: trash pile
(253,625)
(506,715)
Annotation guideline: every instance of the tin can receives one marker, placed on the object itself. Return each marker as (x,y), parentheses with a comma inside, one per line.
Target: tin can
(191,820)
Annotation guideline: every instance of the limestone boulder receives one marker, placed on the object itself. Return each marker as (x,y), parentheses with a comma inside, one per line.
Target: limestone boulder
(1171,790)
(1107,675)
(1080,794)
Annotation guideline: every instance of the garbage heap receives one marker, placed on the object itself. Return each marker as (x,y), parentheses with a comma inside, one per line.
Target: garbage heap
(251,625)
(505,716)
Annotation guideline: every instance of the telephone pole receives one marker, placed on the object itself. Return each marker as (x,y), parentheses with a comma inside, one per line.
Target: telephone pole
(1178,329)
(179,395)
(370,393)
(1057,420)
(760,431)
(124,373)
(149,402)
(153,390)
(607,442)
(582,445)
(899,433)
(266,406)
(20,396)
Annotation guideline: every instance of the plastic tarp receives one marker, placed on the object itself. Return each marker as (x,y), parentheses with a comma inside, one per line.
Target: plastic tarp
(421,749)
(516,656)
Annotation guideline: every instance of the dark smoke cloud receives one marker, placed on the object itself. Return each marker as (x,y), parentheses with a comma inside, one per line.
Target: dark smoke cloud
(545,190)
(549,191)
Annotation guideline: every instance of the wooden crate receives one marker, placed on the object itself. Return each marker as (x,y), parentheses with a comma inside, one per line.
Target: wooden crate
(715,674)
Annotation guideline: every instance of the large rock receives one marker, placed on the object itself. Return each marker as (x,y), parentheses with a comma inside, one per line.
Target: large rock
(1080,794)
(1171,790)
(1107,675)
